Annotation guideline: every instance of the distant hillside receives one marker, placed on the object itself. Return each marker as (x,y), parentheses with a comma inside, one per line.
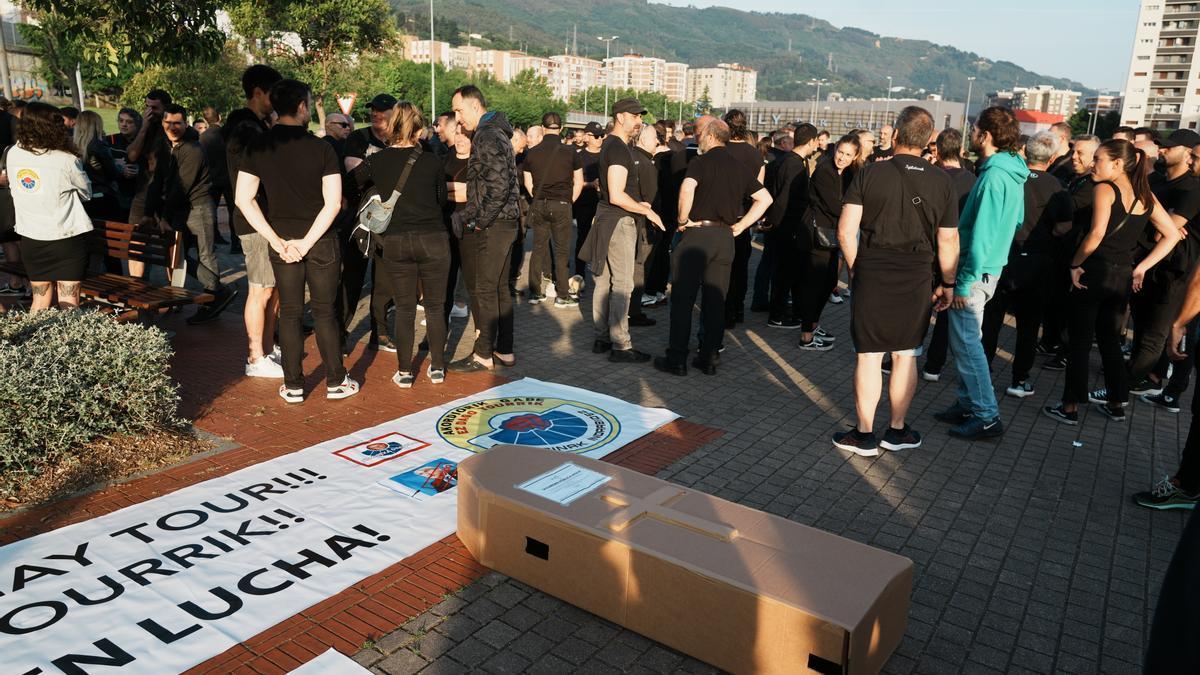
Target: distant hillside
(862,60)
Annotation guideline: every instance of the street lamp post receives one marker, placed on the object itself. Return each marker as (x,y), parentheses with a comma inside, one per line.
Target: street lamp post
(816,95)
(967,112)
(432,71)
(607,70)
(888,107)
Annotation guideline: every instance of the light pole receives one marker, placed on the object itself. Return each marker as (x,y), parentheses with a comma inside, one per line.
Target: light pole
(432,71)
(607,70)
(816,95)
(967,112)
(888,106)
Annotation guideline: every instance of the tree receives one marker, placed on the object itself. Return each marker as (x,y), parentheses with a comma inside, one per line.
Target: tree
(523,100)
(330,34)
(194,85)
(1081,123)
(704,105)
(656,103)
(130,34)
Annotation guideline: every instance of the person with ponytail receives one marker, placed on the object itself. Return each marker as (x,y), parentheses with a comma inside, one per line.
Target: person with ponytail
(1103,274)
(751,160)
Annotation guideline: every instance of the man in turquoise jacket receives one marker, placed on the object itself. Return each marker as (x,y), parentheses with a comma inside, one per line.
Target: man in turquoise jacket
(989,219)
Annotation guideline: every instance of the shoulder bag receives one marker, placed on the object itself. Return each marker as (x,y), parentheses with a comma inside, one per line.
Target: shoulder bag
(375,214)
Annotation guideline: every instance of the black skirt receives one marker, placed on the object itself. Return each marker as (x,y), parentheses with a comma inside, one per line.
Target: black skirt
(891,300)
(57,260)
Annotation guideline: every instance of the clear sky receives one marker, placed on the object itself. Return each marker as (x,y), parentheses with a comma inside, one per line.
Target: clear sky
(1087,40)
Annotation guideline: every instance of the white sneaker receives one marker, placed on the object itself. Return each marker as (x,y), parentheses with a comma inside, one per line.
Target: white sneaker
(835,299)
(575,284)
(420,307)
(264,367)
(549,289)
(649,299)
(930,377)
(459,312)
(346,389)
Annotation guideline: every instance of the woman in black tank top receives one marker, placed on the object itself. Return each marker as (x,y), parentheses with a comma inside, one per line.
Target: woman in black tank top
(1103,274)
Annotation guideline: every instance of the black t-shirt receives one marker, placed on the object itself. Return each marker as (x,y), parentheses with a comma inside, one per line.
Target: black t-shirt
(723,185)
(590,163)
(213,145)
(963,182)
(454,170)
(888,222)
(647,176)
(616,152)
(879,154)
(419,208)
(241,129)
(361,143)
(552,166)
(1040,190)
(291,163)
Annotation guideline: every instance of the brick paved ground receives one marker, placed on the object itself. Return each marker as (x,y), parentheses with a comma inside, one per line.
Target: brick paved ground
(1029,555)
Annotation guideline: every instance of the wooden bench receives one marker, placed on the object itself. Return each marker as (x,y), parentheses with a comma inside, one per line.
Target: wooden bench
(128,297)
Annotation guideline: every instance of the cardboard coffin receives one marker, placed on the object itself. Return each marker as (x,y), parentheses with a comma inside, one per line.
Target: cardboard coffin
(738,588)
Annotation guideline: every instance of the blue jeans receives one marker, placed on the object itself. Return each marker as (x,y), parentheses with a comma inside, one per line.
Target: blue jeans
(975,391)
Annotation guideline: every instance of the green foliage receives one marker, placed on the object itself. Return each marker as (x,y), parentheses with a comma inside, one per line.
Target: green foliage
(59,56)
(862,61)
(193,85)
(656,103)
(69,377)
(331,33)
(120,34)
(524,100)
(1081,122)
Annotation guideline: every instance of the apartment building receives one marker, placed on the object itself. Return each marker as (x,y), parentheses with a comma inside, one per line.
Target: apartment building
(725,84)
(1163,88)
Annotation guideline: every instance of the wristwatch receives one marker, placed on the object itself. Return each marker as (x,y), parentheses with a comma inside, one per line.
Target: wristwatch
(952,284)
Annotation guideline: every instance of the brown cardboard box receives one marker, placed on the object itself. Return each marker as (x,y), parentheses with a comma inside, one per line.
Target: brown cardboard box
(741,589)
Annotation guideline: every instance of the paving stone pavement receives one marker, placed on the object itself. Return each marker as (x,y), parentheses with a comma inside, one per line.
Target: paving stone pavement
(1029,555)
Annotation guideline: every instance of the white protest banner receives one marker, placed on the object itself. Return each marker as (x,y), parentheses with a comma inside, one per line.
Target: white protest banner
(331,662)
(163,585)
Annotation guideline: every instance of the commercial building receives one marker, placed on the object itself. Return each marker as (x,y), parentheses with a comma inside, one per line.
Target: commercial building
(724,84)
(1162,90)
(1102,103)
(840,117)
(1042,98)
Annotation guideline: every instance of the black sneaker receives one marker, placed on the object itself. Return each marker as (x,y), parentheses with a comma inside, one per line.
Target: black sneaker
(827,337)
(1100,396)
(976,428)
(1057,413)
(1114,414)
(567,302)
(955,414)
(1166,495)
(786,324)
(601,346)
(627,356)
(1165,401)
(1020,389)
(1043,349)
(863,445)
(536,298)
(900,439)
(1056,363)
(641,320)
(467,365)
(1146,387)
(816,344)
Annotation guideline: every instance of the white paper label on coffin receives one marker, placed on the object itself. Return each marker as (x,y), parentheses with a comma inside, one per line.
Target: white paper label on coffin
(163,585)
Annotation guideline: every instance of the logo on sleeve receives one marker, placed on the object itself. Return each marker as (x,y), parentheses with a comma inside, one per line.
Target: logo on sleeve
(29,181)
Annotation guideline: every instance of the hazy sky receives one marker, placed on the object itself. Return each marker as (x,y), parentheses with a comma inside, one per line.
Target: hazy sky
(1087,40)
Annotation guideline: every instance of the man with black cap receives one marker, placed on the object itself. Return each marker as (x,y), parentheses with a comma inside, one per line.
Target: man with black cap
(553,175)
(584,209)
(710,217)
(1154,308)
(611,246)
(361,144)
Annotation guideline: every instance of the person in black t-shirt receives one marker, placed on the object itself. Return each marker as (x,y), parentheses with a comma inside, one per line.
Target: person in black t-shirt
(242,127)
(1155,307)
(303,182)
(752,164)
(553,175)
(363,143)
(644,147)
(611,245)
(891,259)
(789,188)
(416,251)
(584,208)
(712,212)
(1022,285)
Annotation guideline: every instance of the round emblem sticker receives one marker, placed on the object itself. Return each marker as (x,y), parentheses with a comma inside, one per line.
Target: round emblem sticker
(551,423)
(28,180)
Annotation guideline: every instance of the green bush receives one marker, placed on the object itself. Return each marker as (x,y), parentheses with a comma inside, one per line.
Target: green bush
(69,377)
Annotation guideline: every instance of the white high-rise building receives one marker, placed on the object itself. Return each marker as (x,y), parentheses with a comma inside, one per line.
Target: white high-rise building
(1163,89)
(575,74)
(675,81)
(637,72)
(726,83)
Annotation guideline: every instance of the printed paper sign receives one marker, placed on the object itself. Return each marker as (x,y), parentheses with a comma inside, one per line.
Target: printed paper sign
(332,662)
(163,585)
(428,480)
(565,484)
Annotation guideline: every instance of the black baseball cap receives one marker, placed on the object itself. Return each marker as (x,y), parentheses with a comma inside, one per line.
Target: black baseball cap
(1184,137)
(594,129)
(382,102)
(629,105)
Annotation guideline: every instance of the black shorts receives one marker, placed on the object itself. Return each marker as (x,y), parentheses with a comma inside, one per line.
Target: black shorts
(57,260)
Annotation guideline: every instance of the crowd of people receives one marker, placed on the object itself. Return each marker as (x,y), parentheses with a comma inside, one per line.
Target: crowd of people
(1081,240)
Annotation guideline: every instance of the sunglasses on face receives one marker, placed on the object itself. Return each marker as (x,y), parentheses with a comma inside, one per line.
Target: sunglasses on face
(343,125)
